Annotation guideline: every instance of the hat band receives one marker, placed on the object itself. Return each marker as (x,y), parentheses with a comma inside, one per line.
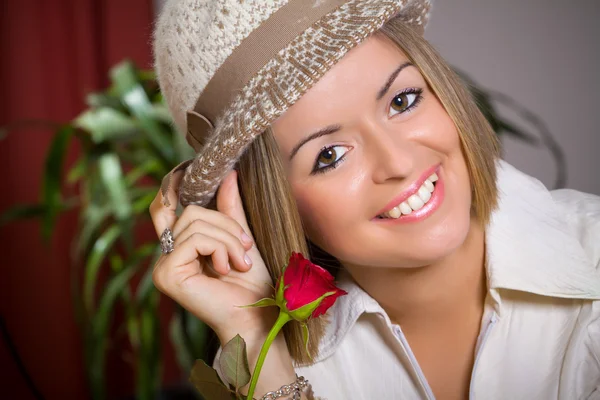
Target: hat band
(252,54)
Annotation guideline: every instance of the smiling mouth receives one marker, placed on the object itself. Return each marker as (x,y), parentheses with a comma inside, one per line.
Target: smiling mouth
(414,202)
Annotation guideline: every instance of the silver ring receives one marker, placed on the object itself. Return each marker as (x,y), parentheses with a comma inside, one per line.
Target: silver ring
(166,241)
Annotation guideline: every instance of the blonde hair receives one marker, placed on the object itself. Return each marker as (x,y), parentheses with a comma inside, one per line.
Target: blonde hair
(270,206)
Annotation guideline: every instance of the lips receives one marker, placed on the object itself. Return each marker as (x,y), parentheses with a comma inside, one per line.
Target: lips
(415,202)
(414,198)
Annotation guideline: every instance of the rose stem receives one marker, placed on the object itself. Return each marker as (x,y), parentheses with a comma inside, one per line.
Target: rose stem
(282,319)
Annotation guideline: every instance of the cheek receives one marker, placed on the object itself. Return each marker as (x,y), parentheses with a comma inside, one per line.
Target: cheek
(324,211)
(442,135)
(316,213)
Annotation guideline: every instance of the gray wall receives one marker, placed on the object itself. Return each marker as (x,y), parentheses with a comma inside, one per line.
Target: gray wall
(545,54)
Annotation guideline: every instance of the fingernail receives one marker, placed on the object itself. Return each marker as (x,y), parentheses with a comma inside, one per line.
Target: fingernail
(247,259)
(228,267)
(246,238)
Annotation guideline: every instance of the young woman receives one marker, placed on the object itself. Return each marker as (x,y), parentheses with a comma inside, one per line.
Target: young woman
(354,143)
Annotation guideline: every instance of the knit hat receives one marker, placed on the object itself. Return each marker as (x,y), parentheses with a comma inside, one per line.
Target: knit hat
(229,68)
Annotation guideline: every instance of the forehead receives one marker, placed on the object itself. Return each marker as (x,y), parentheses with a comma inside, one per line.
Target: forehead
(360,73)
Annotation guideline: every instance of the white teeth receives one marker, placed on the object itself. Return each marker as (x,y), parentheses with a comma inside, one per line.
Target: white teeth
(428,185)
(405,208)
(394,212)
(415,202)
(424,194)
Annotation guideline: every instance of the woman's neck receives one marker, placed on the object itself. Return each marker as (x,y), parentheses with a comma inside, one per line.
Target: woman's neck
(435,296)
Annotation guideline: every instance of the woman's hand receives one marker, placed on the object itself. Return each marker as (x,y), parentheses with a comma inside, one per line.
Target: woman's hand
(237,275)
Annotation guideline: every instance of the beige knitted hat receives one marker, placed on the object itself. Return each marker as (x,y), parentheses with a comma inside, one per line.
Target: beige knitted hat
(229,68)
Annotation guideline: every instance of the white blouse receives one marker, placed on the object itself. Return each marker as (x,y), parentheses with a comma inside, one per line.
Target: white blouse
(540,336)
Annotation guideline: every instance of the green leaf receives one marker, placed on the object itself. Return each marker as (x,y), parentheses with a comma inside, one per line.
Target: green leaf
(196,333)
(184,150)
(207,382)
(303,313)
(112,290)
(191,335)
(160,112)
(101,247)
(146,286)
(100,100)
(106,124)
(133,95)
(148,167)
(22,212)
(140,254)
(116,262)
(51,188)
(149,376)
(28,211)
(93,218)
(133,331)
(78,171)
(135,328)
(114,183)
(178,340)
(266,302)
(234,363)
(149,326)
(306,337)
(97,337)
(142,204)
(147,75)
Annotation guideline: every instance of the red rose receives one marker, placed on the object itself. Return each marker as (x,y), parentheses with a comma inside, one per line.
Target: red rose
(305,289)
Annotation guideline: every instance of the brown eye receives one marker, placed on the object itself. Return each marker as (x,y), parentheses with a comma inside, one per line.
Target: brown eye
(329,157)
(403,102)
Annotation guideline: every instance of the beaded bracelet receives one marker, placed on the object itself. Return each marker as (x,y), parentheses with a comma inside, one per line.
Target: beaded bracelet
(285,390)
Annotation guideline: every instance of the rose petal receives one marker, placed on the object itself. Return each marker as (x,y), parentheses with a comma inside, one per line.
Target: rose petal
(327,303)
(305,282)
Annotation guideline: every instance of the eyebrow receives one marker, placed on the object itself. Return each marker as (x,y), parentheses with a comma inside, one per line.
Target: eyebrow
(335,128)
(391,80)
(322,132)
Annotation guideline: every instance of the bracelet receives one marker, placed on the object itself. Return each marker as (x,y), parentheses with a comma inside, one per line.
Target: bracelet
(295,387)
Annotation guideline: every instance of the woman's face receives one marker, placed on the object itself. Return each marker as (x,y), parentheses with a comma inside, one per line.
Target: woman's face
(365,145)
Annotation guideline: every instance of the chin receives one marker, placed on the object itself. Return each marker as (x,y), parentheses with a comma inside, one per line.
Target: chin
(438,247)
(439,242)
(444,239)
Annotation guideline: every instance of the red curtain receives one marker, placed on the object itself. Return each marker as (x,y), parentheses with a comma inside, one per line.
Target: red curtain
(53,52)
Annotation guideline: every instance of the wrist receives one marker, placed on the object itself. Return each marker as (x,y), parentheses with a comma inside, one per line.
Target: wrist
(254,329)
(277,367)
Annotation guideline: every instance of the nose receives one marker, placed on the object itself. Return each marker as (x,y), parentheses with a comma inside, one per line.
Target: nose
(391,155)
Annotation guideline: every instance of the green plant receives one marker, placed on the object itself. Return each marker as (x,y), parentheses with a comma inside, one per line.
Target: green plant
(127,145)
